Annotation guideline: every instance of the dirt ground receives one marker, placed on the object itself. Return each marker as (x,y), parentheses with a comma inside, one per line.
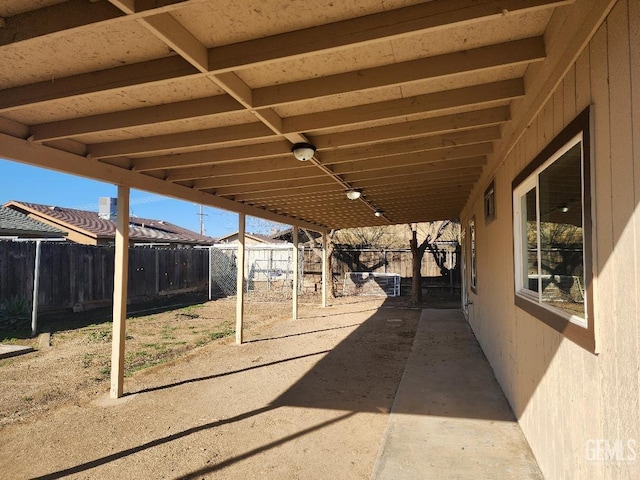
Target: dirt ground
(300,399)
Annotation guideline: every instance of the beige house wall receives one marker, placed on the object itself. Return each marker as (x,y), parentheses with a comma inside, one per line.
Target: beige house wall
(570,402)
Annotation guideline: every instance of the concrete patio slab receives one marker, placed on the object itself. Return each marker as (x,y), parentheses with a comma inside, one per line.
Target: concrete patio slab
(450,418)
(7,351)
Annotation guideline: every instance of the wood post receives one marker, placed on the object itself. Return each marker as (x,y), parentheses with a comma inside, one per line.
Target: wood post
(120,281)
(240,279)
(295,273)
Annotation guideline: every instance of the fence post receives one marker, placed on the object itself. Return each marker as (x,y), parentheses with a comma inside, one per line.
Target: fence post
(157,272)
(295,272)
(210,272)
(240,278)
(36,286)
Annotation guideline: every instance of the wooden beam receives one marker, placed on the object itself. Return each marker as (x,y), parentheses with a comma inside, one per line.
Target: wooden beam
(104,80)
(127,6)
(231,57)
(149,73)
(240,280)
(158,114)
(294,191)
(441,157)
(236,87)
(120,282)
(271,155)
(285,164)
(176,142)
(408,164)
(424,179)
(366,30)
(264,187)
(176,36)
(510,53)
(46,157)
(56,19)
(261,165)
(429,103)
(437,145)
(428,126)
(303,172)
(218,155)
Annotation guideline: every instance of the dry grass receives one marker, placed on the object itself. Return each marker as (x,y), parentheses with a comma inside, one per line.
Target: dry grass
(77,365)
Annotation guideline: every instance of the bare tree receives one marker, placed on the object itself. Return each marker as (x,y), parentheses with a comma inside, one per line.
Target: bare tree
(432,232)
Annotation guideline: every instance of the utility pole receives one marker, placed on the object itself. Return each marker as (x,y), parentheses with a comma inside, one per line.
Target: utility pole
(201,214)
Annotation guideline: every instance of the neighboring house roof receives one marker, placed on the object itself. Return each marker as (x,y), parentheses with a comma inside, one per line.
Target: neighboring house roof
(258,237)
(90,224)
(16,224)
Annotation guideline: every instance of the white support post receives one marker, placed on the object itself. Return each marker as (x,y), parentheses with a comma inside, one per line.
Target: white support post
(36,287)
(240,279)
(325,263)
(295,273)
(120,282)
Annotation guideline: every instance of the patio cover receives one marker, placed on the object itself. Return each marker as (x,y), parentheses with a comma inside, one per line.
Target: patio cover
(202,100)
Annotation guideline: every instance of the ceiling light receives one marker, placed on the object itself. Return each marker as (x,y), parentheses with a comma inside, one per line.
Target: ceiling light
(378,213)
(353,194)
(303,151)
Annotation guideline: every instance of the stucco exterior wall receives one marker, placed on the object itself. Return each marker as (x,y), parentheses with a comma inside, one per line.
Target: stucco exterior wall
(573,405)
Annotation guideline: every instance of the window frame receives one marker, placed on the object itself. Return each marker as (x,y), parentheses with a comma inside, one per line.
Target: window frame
(581,332)
(473,269)
(490,203)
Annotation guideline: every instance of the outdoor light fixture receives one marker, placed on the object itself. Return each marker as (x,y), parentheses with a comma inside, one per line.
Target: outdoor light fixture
(564,208)
(303,151)
(353,194)
(378,213)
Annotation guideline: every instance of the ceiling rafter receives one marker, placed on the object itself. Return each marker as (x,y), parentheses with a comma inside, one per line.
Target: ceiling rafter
(422,127)
(195,139)
(205,157)
(149,74)
(444,124)
(441,101)
(262,165)
(414,152)
(243,54)
(320,191)
(158,114)
(376,27)
(52,19)
(420,144)
(516,52)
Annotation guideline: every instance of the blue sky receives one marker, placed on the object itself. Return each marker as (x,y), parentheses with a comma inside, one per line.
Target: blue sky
(38,185)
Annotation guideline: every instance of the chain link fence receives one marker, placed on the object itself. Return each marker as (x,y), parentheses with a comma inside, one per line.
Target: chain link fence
(268,271)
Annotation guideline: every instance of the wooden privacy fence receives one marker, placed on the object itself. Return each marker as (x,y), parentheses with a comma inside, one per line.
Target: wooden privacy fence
(82,275)
(381,260)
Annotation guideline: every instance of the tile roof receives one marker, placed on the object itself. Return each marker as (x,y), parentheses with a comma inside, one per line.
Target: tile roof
(15,223)
(140,229)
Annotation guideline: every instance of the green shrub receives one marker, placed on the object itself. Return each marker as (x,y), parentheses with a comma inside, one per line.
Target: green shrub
(15,313)
(17,307)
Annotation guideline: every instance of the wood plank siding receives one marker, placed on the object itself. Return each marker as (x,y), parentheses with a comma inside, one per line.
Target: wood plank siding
(564,396)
